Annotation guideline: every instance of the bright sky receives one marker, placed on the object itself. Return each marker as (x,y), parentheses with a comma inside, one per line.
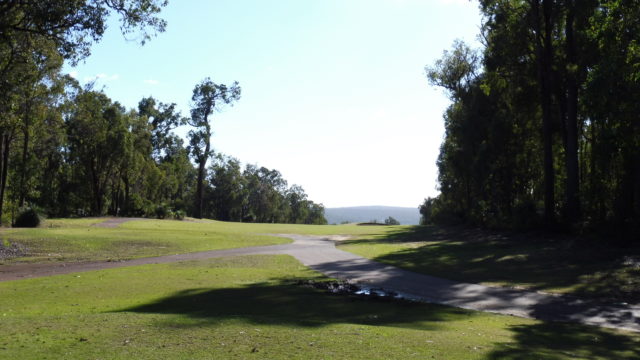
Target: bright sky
(334,94)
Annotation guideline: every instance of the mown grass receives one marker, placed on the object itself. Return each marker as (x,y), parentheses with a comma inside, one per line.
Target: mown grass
(594,268)
(564,265)
(252,307)
(79,240)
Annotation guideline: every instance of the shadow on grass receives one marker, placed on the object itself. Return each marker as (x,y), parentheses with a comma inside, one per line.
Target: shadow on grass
(555,341)
(590,268)
(287,303)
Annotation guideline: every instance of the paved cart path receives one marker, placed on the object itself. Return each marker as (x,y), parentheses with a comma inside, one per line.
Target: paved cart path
(320,254)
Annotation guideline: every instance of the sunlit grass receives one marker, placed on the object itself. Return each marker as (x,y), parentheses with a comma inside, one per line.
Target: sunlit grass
(252,307)
(79,240)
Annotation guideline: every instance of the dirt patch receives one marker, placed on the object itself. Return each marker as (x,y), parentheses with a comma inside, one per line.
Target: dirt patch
(193,220)
(115,222)
(340,237)
(11,250)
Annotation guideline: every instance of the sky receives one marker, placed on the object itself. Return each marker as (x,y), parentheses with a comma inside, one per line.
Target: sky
(334,93)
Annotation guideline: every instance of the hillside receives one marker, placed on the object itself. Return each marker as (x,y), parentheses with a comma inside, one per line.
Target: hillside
(405,215)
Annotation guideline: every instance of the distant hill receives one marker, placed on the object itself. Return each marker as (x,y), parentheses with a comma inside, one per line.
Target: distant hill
(405,215)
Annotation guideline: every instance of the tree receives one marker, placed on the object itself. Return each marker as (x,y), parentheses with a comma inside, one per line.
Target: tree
(391,221)
(73,25)
(207,98)
(316,214)
(35,32)
(266,202)
(543,27)
(298,203)
(229,193)
(162,119)
(546,122)
(97,133)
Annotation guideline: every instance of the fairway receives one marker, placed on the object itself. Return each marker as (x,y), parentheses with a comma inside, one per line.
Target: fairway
(248,306)
(79,240)
(254,307)
(230,179)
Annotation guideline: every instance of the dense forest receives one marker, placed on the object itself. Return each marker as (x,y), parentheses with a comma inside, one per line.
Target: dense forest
(67,149)
(543,128)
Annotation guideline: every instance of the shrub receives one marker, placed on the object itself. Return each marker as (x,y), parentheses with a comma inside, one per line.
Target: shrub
(391,221)
(179,214)
(525,215)
(162,211)
(439,212)
(27,217)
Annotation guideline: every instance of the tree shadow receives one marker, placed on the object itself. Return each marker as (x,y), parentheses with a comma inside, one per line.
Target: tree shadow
(536,260)
(561,341)
(284,302)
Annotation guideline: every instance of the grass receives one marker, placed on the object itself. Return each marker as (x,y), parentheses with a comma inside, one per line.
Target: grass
(77,240)
(251,307)
(561,265)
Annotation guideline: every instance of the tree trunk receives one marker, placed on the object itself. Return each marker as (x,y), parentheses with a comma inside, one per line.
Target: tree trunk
(6,140)
(1,167)
(571,121)
(636,173)
(197,211)
(197,208)
(544,56)
(636,182)
(97,192)
(25,155)
(126,211)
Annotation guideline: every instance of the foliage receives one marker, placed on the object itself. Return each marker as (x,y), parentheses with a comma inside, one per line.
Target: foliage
(179,214)
(36,38)
(74,25)
(391,221)
(257,195)
(162,211)
(542,127)
(73,151)
(207,98)
(27,218)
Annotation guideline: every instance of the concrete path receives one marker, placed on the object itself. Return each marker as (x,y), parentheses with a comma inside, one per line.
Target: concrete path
(114,222)
(321,254)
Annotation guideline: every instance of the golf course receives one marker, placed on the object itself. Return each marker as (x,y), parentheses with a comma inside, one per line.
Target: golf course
(252,306)
(317,179)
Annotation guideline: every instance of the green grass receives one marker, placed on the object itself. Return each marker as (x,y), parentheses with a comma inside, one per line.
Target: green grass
(251,307)
(563,265)
(574,266)
(77,240)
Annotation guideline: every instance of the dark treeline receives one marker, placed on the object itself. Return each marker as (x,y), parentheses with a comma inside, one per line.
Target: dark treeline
(69,150)
(544,125)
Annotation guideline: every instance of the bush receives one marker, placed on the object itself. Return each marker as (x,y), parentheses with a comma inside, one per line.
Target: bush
(525,215)
(391,221)
(162,211)
(27,217)
(436,211)
(179,214)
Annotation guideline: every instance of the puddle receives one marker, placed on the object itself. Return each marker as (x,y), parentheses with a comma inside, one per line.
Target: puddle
(347,288)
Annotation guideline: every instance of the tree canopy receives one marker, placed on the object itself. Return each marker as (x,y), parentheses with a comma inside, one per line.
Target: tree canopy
(69,150)
(543,129)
